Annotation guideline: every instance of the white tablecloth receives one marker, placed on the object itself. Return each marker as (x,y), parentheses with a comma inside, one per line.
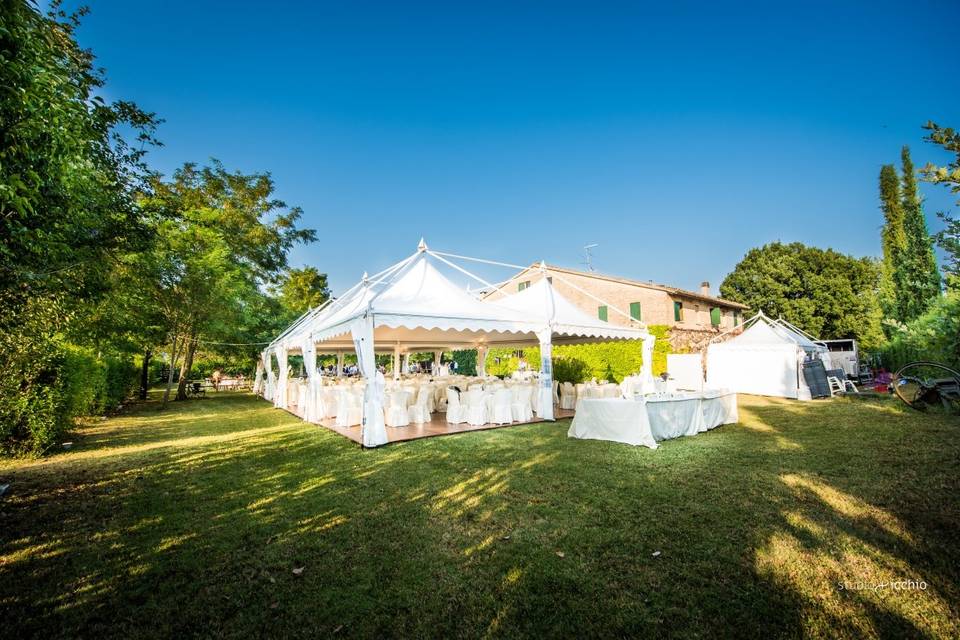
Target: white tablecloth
(646,421)
(613,419)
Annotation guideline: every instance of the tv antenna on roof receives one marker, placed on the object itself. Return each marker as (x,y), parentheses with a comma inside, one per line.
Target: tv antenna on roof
(588,255)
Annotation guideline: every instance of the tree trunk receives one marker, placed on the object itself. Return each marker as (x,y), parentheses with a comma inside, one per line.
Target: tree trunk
(174,354)
(145,374)
(185,371)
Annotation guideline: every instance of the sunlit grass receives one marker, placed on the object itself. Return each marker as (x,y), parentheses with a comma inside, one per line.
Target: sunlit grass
(226,517)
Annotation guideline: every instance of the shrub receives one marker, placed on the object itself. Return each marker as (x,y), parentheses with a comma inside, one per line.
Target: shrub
(122,376)
(933,336)
(466,362)
(570,370)
(61,383)
(603,360)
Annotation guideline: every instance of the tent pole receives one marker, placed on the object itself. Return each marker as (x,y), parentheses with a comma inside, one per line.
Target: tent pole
(546,374)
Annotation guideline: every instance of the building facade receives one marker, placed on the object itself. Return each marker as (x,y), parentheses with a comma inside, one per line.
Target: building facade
(692,316)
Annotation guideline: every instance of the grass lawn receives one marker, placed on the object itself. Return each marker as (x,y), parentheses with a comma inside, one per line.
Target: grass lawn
(226,517)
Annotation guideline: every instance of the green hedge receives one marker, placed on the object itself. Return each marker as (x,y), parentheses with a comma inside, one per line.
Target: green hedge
(577,363)
(466,362)
(41,398)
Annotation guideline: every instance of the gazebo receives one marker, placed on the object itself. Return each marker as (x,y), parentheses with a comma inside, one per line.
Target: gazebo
(413,307)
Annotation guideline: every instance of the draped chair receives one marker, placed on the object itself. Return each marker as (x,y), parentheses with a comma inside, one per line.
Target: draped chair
(396,412)
(521,409)
(476,407)
(502,401)
(349,411)
(568,396)
(455,411)
(419,411)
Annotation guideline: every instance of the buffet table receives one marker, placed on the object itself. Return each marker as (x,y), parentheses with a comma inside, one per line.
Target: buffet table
(649,419)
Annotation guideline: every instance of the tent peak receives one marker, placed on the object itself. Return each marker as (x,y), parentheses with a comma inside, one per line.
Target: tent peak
(422,246)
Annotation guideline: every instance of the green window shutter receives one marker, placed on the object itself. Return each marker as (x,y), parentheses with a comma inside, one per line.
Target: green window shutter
(715,315)
(523,285)
(602,312)
(635,310)
(678,311)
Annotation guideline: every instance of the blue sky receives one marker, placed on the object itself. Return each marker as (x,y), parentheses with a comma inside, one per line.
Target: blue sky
(674,135)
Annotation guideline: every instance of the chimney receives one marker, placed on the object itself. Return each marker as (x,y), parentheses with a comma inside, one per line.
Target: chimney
(705,288)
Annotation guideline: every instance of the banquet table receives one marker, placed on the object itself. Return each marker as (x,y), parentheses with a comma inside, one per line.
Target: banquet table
(647,420)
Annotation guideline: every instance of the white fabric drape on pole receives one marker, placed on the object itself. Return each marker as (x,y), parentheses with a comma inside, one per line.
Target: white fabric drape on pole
(406,363)
(340,364)
(268,388)
(373,432)
(546,374)
(280,392)
(437,357)
(396,362)
(258,380)
(481,361)
(309,410)
(646,367)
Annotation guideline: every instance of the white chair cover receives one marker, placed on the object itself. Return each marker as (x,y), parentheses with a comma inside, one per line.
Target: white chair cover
(395,414)
(502,413)
(455,411)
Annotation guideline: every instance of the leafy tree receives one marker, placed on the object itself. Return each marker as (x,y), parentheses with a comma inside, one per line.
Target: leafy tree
(894,243)
(826,293)
(918,275)
(949,176)
(303,289)
(223,238)
(70,163)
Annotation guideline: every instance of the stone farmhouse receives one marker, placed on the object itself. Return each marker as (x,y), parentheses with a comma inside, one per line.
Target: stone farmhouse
(693,317)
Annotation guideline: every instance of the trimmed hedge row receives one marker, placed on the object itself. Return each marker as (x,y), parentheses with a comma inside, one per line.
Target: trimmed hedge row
(39,403)
(611,361)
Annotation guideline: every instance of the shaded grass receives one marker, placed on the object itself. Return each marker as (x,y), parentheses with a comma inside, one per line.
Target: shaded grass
(191,522)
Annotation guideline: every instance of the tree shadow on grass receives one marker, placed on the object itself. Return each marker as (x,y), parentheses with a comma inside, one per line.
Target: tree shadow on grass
(512,532)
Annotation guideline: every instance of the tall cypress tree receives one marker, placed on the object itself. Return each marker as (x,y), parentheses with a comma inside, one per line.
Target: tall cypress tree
(919,276)
(894,243)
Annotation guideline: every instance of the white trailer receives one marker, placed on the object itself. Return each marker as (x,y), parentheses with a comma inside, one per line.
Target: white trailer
(844,355)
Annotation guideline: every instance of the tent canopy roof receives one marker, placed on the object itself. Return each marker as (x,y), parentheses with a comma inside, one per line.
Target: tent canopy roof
(766,332)
(415,307)
(565,318)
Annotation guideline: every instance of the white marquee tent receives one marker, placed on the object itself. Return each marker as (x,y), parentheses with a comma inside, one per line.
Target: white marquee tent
(413,307)
(766,359)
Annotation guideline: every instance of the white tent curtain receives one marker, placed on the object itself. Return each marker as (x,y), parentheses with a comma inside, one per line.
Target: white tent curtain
(309,411)
(546,374)
(258,379)
(339,364)
(268,388)
(481,361)
(373,431)
(646,368)
(406,363)
(280,392)
(437,357)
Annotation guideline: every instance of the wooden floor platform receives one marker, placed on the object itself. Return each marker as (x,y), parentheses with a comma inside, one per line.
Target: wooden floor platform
(438,426)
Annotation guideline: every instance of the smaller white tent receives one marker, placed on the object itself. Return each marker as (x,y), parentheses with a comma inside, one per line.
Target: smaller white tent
(766,359)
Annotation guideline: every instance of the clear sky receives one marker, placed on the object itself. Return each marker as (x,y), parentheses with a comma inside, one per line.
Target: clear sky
(676,135)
